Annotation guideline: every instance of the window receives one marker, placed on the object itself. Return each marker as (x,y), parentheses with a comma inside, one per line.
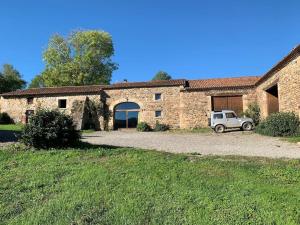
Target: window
(157,96)
(62,103)
(230,115)
(30,100)
(158,113)
(127,106)
(126,115)
(218,116)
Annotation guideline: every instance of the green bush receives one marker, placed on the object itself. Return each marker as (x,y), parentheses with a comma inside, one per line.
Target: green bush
(253,112)
(280,124)
(143,127)
(5,118)
(161,127)
(50,129)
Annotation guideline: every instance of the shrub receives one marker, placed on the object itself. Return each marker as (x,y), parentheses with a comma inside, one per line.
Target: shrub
(253,112)
(143,127)
(5,118)
(50,129)
(280,124)
(160,127)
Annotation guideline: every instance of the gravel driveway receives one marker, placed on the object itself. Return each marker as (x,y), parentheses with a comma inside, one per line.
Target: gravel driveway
(232,143)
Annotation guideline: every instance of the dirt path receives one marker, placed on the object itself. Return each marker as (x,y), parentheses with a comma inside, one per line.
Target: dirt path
(233,143)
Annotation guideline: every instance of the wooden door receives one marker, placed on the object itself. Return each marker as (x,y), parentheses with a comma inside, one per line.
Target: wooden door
(234,103)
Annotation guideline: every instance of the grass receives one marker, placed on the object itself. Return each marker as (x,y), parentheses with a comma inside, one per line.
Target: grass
(294,139)
(11,127)
(87,131)
(106,185)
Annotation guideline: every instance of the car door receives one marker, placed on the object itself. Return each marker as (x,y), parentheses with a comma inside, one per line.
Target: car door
(231,120)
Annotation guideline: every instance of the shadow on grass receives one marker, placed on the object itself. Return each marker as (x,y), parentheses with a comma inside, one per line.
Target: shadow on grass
(9,136)
(87,146)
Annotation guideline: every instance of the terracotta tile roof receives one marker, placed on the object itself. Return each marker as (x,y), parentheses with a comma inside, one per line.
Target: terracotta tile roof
(223,83)
(158,83)
(295,52)
(55,90)
(92,89)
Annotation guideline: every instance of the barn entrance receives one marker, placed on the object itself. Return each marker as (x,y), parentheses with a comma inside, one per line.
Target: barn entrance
(272,99)
(234,103)
(126,115)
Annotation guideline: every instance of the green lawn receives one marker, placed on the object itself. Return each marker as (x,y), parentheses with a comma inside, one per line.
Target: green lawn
(128,186)
(87,131)
(292,139)
(11,127)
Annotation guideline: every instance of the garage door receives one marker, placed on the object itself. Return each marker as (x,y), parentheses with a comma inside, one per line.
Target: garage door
(234,103)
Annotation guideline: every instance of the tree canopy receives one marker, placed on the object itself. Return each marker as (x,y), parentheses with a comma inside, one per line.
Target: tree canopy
(37,82)
(83,58)
(10,79)
(161,75)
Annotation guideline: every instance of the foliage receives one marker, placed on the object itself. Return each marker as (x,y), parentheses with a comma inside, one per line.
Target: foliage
(10,79)
(83,58)
(11,127)
(253,112)
(281,124)
(143,127)
(160,127)
(37,82)
(49,129)
(161,75)
(5,118)
(107,185)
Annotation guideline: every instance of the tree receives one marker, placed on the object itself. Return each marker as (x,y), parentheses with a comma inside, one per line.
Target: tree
(161,75)
(37,82)
(83,58)
(10,79)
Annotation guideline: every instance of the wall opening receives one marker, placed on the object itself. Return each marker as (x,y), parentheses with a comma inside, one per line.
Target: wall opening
(28,113)
(272,99)
(126,115)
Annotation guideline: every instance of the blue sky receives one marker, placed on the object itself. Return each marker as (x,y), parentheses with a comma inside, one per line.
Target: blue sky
(188,39)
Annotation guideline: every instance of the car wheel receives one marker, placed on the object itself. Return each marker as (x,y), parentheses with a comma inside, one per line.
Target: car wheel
(219,129)
(247,126)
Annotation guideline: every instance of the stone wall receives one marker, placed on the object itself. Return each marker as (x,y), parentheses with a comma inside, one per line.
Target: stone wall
(196,105)
(145,98)
(288,81)
(180,108)
(17,107)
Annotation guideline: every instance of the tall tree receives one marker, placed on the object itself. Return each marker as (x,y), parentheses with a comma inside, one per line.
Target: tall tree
(37,82)
(161,75)
(10,79)
(83,58)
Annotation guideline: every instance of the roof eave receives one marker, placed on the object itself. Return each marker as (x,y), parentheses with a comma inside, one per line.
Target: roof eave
(219,88)
(282,63)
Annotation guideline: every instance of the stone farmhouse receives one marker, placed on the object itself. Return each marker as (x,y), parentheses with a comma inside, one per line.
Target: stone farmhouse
(178,103)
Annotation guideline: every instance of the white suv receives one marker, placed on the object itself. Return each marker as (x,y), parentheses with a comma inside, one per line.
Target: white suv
(222,120)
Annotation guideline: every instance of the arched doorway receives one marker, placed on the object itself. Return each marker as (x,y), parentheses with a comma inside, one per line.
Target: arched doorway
(126,115)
